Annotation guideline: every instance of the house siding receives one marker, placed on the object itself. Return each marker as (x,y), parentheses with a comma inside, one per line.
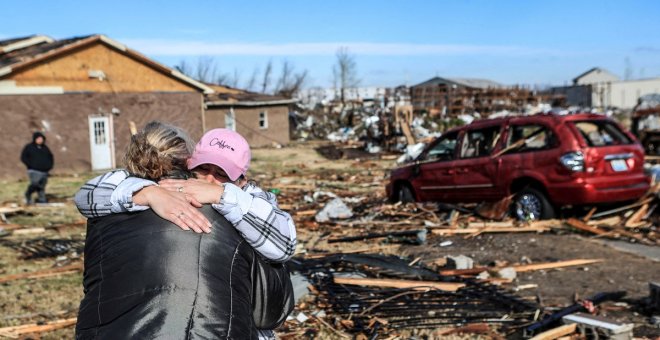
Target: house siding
(64,120)
(124,74)
(247,123)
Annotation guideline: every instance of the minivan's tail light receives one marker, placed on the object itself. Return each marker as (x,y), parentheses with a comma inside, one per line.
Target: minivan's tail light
(573,161)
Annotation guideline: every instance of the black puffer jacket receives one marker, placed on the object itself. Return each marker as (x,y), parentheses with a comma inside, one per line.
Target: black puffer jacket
(147,279)
(36,156)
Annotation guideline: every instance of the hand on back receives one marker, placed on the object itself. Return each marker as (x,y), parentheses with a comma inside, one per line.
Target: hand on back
(200,190)
(176,207)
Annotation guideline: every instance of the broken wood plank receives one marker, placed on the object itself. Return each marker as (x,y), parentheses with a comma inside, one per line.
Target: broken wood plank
(556,332)
(577,224)
(607,222)
(16,331)
(487,230)
(554,265)
(589,214)
(624,208)
(637,216)
(306,212)
(391,283)
(523,267)
(73,268)
(484,224)
(28,231)
(475,328)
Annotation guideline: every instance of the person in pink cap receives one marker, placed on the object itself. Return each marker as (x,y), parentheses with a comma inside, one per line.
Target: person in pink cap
(220,162)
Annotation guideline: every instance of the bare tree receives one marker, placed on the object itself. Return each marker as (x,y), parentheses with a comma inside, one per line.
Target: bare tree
(206,70)
(252,81)
(267,74)
(289,82)
(345,72)
(184,68)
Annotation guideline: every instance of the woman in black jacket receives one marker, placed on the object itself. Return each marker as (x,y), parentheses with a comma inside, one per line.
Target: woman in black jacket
(145,278)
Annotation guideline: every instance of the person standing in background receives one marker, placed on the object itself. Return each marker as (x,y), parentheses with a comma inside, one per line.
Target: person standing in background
(39,160)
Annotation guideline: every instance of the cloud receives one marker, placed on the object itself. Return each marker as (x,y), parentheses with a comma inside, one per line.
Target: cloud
(649,49)
(162,47)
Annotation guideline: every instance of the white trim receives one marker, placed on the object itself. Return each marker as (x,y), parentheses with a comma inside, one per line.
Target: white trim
(113,43)
(8,87)
(26,43)
(187,79)
(252,103)
(265,119)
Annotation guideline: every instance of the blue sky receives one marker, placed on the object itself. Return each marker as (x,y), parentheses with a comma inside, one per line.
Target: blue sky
(394,42)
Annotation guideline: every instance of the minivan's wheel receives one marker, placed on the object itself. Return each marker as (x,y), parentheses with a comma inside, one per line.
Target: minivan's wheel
(404,194)
(531,204)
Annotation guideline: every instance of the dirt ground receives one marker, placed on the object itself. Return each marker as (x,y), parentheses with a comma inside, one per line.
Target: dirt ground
(35,300)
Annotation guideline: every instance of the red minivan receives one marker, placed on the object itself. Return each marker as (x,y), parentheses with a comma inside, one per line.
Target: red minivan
(546,161)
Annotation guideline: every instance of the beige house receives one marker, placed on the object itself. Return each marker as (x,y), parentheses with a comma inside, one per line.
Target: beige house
(82,93)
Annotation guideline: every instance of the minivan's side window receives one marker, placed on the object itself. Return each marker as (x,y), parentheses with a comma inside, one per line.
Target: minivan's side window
(479,143)
(529,137)
(602,133)
(444,149)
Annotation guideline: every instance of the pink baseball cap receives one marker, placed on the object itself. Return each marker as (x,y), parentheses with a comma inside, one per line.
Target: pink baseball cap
(224,148)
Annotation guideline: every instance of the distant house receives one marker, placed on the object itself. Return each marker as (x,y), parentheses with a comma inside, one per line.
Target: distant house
(594,76)
(601,89)
(82,93)
(451,97)
(262,119)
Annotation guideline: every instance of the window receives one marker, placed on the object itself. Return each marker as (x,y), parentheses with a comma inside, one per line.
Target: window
(444,149)
(230,120)
(99,133)
(480,143)
(263,120)
(601,133)
(529,137)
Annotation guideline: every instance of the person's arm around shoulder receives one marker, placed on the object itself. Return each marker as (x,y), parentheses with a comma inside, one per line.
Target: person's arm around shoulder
(256,215)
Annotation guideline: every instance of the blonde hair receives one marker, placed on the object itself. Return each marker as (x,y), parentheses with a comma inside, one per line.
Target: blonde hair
(159,150)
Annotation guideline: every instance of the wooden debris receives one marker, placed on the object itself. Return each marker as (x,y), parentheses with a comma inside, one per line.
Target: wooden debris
(588,216)
(523,267)
(577,224)
(636,218)
(28,231)
(391,283)
(17,331)
(476,231)
(554,265)
(73,268)
(556,333)
(475,328)
(606,222)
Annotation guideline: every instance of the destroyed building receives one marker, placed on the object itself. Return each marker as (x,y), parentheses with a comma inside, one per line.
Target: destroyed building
(451,97)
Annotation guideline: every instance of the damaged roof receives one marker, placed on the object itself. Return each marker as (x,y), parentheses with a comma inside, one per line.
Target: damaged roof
(229,96)
(20,53)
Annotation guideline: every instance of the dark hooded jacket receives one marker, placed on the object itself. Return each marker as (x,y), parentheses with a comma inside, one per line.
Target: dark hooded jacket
(147,279)
(37,157)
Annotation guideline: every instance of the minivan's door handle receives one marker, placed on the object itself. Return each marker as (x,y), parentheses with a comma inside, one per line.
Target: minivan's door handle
(450,172)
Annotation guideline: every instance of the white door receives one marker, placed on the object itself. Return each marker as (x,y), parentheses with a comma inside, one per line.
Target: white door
(101,142)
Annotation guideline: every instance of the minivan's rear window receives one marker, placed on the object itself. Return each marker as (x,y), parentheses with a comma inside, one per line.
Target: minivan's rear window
(601,133)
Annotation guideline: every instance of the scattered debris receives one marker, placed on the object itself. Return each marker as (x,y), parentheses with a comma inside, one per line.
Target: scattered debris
(41,247)
(335,209)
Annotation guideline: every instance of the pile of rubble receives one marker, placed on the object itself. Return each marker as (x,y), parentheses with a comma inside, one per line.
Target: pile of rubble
(347,228)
